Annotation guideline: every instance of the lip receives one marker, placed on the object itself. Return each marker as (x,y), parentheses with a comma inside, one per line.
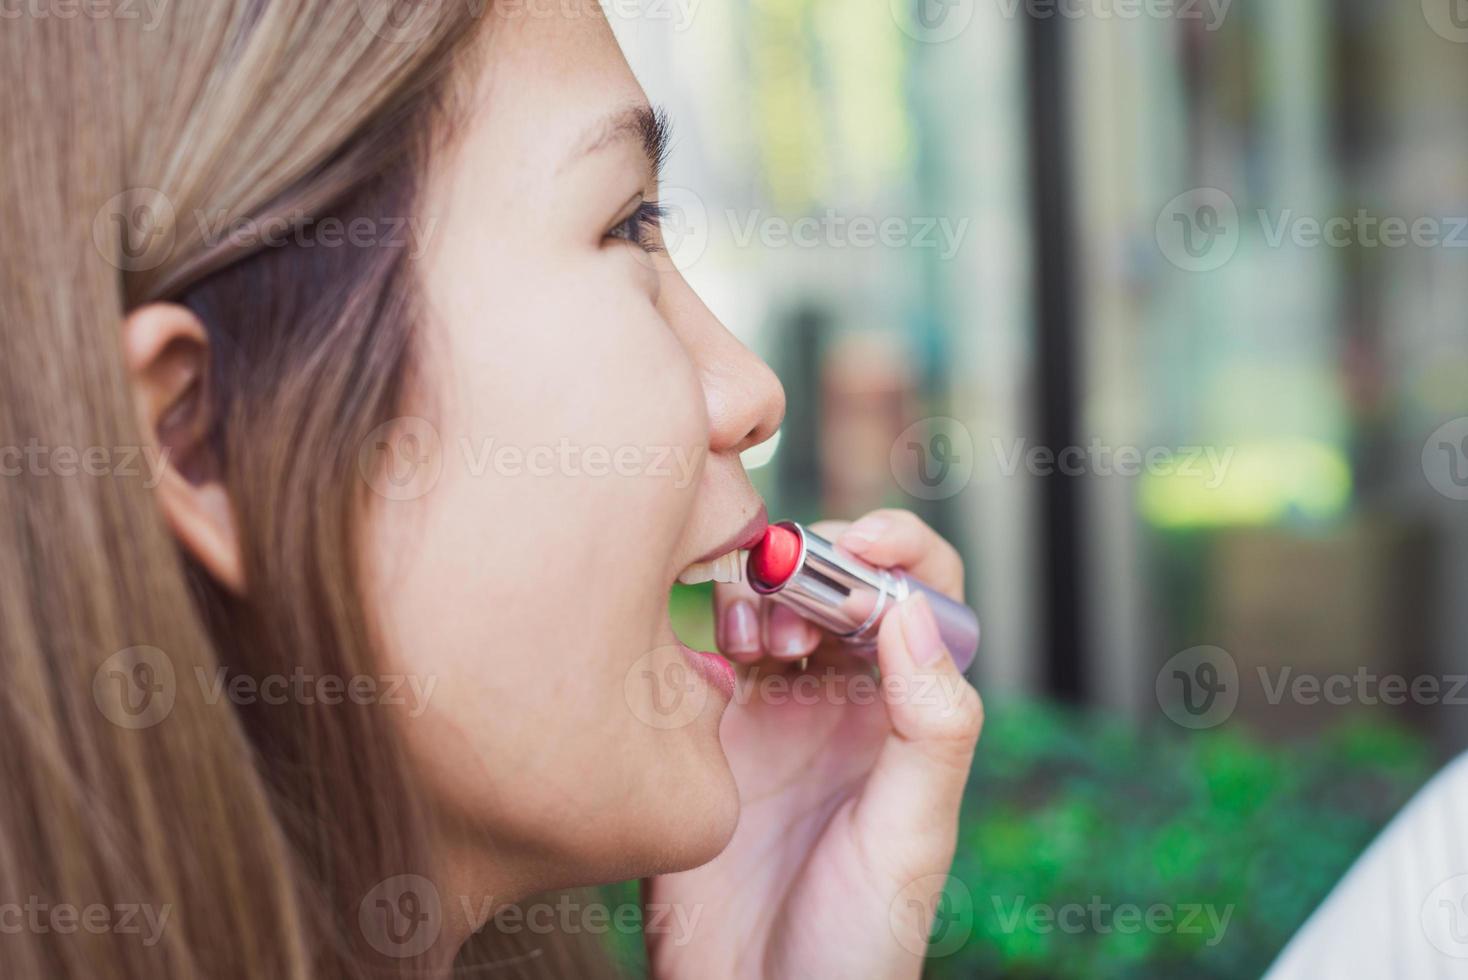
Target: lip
(717,672)
(747,538)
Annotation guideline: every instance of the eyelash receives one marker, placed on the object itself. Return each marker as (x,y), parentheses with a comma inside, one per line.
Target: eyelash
(642,227)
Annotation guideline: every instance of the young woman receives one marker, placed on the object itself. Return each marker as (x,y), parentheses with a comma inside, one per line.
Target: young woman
(356,429)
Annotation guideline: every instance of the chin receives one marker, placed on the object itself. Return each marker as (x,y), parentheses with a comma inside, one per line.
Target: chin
(683,828)
(703,825)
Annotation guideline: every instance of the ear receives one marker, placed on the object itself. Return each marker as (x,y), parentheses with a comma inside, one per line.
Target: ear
(166,350)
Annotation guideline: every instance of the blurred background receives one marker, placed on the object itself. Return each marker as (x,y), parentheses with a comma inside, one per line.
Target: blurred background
(1155,308)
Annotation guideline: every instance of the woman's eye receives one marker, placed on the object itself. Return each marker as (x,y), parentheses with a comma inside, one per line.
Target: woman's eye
(642,227)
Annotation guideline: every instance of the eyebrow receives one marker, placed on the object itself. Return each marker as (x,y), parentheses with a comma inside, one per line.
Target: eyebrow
(647,124)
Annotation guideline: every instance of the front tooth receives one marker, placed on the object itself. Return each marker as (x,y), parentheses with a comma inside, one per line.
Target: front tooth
(723,569)
(698,573)
(730,568)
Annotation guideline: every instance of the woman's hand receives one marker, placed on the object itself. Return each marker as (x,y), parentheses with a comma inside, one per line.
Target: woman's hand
(850,786)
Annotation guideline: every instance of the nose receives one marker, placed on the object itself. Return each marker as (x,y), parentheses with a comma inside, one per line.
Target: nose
(745,401)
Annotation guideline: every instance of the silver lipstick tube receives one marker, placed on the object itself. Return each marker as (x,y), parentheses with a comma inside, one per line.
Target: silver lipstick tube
(849,598)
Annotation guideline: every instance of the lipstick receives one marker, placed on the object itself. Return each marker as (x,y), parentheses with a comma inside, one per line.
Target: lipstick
(846,596)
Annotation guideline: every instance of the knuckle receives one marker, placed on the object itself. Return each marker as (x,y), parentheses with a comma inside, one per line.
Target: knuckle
(962,719)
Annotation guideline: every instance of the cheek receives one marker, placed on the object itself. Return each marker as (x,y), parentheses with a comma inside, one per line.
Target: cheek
(533,575)
(580,434)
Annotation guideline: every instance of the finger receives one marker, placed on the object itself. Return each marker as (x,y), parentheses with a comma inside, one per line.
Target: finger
(737,622)
(787,636)
(916,786)
(899,538)
(830,530)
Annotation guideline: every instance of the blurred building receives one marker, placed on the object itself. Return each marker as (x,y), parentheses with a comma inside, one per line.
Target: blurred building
(1159,316)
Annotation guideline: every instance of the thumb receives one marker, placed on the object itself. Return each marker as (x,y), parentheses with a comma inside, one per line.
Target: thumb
(913,794)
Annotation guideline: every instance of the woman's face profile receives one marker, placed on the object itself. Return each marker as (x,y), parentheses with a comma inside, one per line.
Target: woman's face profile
(578,415)
(468,458)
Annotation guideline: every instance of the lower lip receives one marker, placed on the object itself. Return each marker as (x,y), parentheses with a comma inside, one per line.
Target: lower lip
(715,669)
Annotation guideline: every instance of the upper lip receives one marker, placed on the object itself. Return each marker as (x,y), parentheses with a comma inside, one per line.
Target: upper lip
(747,537)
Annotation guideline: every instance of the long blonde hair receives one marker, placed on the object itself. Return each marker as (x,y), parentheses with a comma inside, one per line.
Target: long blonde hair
(121,140)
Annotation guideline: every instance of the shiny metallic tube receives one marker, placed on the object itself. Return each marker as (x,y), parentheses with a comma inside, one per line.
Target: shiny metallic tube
(848,597)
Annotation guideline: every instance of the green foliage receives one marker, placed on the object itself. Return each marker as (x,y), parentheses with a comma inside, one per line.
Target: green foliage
(1072,821)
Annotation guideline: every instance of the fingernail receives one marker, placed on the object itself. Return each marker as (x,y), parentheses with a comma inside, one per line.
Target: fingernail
(920,630)
(864,531)
(786,632)
(741,628)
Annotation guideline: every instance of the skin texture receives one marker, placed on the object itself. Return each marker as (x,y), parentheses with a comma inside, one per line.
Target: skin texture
(535,595)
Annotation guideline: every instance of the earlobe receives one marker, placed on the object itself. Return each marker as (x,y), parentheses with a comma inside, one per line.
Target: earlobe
(166,351)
